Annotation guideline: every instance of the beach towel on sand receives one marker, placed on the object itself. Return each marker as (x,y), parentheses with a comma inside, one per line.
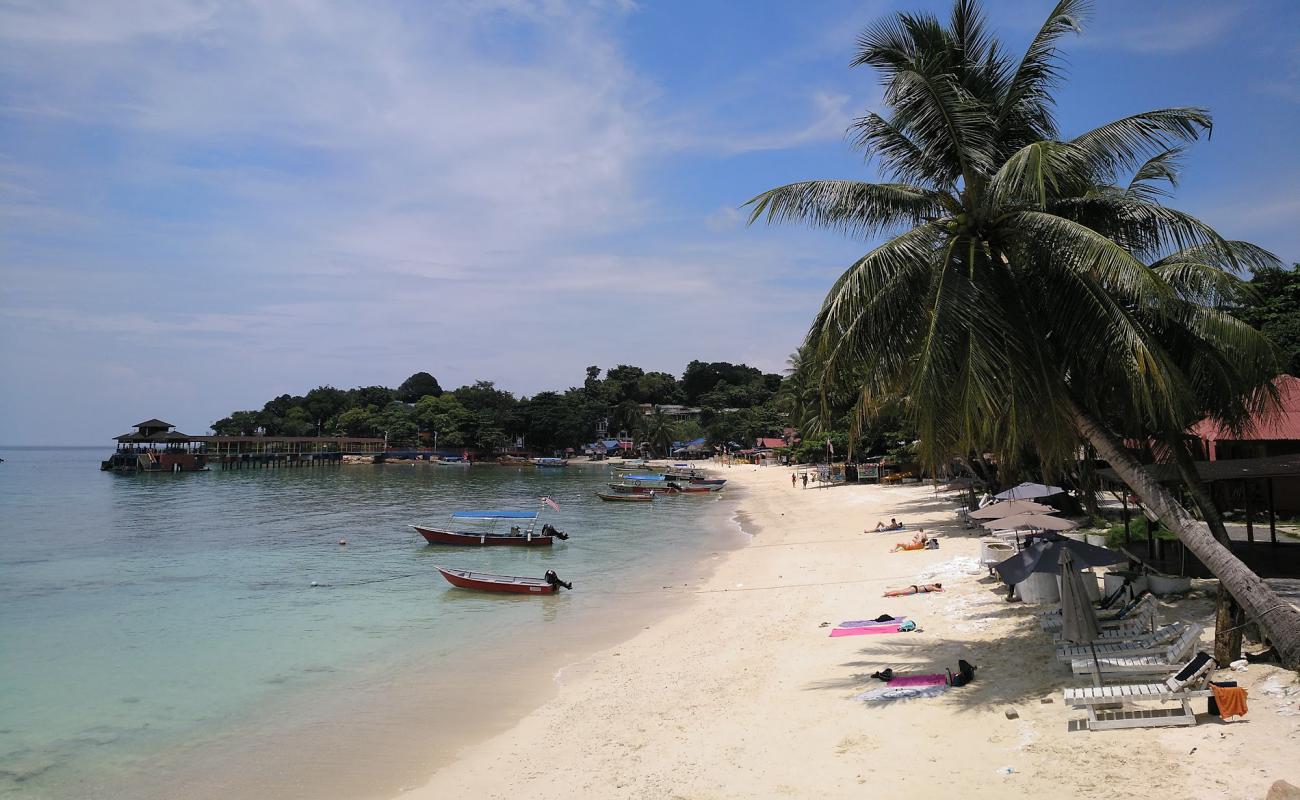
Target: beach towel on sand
(870,630)
(901,693)
(871,623)
(905,681)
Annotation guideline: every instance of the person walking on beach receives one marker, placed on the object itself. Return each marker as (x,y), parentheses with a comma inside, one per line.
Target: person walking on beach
(805,480)
(791,480)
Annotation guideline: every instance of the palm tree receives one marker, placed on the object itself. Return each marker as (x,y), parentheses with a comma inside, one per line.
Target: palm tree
(1026,293)
(662,431)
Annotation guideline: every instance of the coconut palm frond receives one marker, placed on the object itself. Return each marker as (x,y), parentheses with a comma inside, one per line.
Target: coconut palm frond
(850,207)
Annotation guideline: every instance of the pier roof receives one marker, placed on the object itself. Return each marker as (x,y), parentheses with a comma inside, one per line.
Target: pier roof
(154,423)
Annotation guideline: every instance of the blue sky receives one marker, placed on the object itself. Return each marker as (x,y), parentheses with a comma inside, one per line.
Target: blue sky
(205,204)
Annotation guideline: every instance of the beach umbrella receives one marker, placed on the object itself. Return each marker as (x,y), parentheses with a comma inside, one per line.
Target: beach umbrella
(1078,618)
(1040,521)
(1010,509)
(1044,555)
(1028,491)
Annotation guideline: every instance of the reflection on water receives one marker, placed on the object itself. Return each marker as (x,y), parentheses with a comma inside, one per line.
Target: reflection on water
(150,615)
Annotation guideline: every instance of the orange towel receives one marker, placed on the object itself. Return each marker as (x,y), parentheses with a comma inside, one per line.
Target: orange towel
(1230,699)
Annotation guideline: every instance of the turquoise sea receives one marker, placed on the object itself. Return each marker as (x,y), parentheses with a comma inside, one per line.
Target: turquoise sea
(162,636)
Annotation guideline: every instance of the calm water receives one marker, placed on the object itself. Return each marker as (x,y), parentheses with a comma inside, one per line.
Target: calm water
(155,625)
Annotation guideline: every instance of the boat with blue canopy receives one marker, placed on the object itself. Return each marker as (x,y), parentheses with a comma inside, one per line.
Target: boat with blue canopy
(521,533)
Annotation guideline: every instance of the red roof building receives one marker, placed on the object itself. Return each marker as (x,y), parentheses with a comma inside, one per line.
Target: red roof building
(1276,433)
(769,442)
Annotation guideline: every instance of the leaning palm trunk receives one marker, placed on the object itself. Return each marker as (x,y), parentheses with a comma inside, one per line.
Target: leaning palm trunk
(1278,618)
(1228,618)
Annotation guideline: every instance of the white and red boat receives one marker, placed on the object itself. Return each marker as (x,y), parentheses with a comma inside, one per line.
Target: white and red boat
(513,584)
(521,532)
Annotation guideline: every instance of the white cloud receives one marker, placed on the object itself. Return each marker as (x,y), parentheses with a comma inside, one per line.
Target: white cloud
(264,196)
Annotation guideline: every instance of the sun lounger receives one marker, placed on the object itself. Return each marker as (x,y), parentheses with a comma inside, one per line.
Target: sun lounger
(1181,687)
(1147,644)
(1119,629)
(1144,611)
(1131,666)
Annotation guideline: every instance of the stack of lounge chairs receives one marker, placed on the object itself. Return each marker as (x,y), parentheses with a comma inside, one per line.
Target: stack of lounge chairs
(1109,707)
(1132,645)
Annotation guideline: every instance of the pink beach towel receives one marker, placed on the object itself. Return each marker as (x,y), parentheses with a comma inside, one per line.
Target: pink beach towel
(871,623)
(890,628)
(933,679)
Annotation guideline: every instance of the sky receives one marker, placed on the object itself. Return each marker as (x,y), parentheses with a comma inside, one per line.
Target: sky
(205,204)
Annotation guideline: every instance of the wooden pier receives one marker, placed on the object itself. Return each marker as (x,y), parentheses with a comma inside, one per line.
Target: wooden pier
(156,447)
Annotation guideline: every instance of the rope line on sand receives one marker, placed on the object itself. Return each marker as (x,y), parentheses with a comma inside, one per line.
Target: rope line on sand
(753,588)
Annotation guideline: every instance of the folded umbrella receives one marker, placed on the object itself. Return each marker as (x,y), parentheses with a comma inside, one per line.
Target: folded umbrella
(1078,618)
(1044,555)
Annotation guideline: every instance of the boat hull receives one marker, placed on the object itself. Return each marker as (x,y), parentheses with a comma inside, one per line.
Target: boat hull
(626,498)
(444,536)
(622,488)
(487,582)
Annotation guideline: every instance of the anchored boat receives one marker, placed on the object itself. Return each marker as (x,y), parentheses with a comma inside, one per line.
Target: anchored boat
(488,582)
(520,534)
(626,498)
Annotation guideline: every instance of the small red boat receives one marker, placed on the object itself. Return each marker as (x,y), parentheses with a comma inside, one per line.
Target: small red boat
(488,582)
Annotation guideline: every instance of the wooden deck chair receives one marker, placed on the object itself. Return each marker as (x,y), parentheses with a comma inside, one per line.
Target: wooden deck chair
(1101,702)
(1125,667)
(1146,644)
(1139,614)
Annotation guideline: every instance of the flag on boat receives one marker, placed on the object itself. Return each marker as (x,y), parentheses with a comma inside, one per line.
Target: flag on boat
(548,501)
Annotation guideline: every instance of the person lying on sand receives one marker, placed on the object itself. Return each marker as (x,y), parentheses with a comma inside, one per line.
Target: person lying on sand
(916,588)
(917,543)
(894,525)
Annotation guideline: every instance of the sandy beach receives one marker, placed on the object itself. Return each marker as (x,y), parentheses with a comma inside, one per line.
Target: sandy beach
(743,693)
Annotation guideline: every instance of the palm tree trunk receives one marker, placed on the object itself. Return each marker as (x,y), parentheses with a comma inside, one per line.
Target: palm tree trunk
(1279,619)
(1228,617)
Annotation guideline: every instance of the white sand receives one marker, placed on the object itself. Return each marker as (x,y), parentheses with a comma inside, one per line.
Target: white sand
(743,695)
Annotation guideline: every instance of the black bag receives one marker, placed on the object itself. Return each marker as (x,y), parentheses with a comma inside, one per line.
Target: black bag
(965,673)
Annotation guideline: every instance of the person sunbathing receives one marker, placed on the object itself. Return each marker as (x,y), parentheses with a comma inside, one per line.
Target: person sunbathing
(894,525)
(916,588)
(917,543)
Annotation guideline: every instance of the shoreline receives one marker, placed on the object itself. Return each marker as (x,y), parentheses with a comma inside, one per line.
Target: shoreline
(741,693)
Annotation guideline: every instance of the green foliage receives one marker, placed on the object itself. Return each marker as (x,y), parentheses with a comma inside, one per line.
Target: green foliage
(1138,530)
(724,385)
(445,415)
(356,421)
(418,385)
(1273,306)
(661,431)
(481,416)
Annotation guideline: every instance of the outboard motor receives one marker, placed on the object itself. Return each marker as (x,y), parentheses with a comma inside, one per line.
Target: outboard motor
(550,530)
(555,581)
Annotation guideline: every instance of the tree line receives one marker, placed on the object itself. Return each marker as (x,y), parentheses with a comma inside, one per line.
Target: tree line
(737,403)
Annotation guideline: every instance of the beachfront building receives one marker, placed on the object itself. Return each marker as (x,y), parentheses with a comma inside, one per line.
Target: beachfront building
(1273,434)
(677,412)
(156,446)
(1253,475)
